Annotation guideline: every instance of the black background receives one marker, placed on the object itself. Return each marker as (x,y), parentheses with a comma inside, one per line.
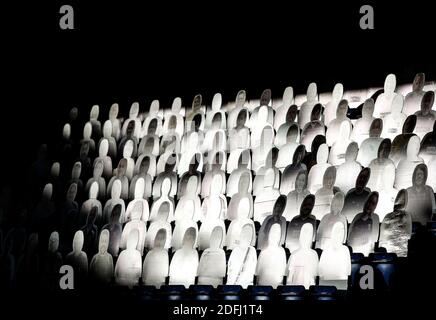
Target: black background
(126,51)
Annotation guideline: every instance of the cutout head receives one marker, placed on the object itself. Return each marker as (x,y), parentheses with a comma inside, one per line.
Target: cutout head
(265,98)
(371,203)
(134,110)
(267,136)
(341,111)
(413,147)
(77,169)
(87,131)
(242,118)
(338,92)
(107,129)
(192,184)
(170,163)
(66,131)
(376,128)
(316,143)
(345,131)
(98,169)
(55,170)
(152,127)
(136,214)
(130,128)
(241,97)
(32,243)
(172,122)
(160,239)
(390,84)
(274,235)
(116,213)
(400,203)
(288,96)
(419,82)
(47,192)
(427,103)
(244,183)
(299,154)
(113,111)
(92,216)
(164,211)
(78,241)
(128,149)
(409,124)
(53,242)
(312,92)
(74,113)
(93,190)
(116,189)
(384,149)
(352,151)
(306,236)
(144,165)
(291,114)
(420,174)
(322,154)
(196,102)
(189,238)
(72,192)
(292,133)
(216,237)
(139,188)
(154,107)
(301,181)
(337,203)
(122,167)
(363,178)
(247,234)
(316,112)
(177,105)
(103,242)
(95,111)
(279,207)
(84,150)
(244,159)
(329,178)
(368,108)
(166,187)
(307,205)
(217,101)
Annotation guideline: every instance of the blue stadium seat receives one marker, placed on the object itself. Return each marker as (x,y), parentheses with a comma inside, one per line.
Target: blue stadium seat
(145,293)
(357,260)
(173,292)
(384,269)
(262,293)
(201,292)
(291,293)
(431,227)
(323,293)
(229,292)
